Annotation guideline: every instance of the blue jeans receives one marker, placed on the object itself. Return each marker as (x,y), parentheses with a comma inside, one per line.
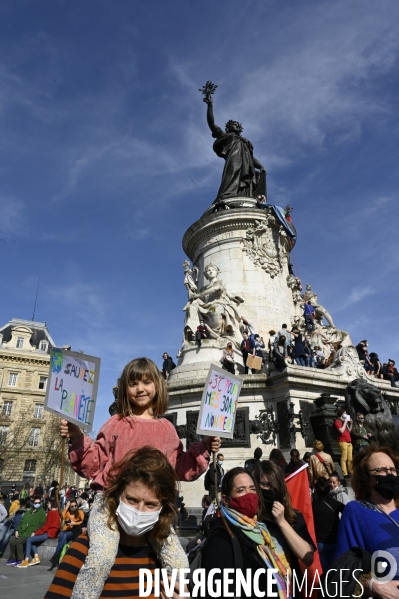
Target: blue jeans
(5,534)
(63,540)
(326,553)
(300,361)
(32,542)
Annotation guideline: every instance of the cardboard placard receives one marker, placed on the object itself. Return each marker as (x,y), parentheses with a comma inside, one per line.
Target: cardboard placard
(254,362)
(72,386)
(219,403)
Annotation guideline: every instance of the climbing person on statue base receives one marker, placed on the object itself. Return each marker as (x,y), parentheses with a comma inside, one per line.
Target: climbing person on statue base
(142,399)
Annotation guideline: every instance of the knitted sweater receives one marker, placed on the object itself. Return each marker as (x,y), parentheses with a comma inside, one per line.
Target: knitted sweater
(123,580)
(368,529)
(118,436)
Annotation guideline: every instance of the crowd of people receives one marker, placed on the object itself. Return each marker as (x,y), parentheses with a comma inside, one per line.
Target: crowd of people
(134,465)
(374,367)
(29,516)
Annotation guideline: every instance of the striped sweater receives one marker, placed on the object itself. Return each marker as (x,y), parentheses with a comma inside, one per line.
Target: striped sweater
(123,580)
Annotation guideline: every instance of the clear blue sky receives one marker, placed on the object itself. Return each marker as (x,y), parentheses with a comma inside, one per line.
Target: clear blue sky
(106,158)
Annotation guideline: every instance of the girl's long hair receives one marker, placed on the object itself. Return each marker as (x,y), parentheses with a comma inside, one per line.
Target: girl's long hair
(151,468)
(138,370)
(276,479)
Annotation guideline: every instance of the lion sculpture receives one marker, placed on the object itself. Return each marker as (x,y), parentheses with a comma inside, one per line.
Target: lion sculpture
(365,398)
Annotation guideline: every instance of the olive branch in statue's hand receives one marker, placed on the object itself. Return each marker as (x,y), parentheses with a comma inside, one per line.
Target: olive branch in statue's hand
(208,90)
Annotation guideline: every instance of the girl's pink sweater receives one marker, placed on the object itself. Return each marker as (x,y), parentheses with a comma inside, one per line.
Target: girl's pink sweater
(118,436)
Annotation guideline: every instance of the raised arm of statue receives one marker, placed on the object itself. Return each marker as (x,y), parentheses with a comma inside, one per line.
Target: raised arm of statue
(209,116)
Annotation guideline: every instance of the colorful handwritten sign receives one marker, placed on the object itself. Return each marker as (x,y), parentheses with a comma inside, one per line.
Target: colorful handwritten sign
(219,403)
(72,386)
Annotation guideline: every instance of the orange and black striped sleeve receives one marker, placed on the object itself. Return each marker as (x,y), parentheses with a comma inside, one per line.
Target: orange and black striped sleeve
(123,580)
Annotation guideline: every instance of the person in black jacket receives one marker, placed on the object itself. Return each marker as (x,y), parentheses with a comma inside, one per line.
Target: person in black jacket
(252,463)
(287,526)
(326,515)
(390,373)
(167,366)
(239,506)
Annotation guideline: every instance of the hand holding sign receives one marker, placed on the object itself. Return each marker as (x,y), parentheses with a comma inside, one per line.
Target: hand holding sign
(70,430)
(72,389)
(219,403)
(212,444)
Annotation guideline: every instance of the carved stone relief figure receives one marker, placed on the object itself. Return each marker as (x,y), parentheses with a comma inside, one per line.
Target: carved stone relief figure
(263,245)
(190,278)
(294,283)
(216,307)
(320,311)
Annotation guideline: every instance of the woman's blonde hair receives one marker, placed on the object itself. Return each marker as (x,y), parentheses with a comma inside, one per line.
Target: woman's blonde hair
(318,445)
(151,468)
(138,370)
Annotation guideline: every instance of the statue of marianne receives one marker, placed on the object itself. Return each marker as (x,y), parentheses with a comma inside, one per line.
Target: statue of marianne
(242,170)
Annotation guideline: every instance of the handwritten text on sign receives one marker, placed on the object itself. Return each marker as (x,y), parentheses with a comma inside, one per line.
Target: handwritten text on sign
(219,403)
(72,386)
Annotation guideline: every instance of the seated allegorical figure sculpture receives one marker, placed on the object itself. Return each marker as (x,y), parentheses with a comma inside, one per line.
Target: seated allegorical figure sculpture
(216,307)
(320,311)
(242,170)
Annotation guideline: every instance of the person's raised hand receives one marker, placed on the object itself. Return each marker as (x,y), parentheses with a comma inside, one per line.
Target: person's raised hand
(212,444)
(67,429)
(278,512)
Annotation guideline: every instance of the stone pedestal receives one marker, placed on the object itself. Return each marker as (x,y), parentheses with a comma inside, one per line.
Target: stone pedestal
(250,249)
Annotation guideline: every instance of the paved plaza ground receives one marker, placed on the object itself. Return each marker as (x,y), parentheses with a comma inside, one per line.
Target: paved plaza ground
(27,583)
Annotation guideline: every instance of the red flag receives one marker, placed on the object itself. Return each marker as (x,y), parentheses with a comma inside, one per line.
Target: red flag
(298,488)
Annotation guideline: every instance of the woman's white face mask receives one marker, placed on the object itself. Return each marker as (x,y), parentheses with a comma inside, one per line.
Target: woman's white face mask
(134,522)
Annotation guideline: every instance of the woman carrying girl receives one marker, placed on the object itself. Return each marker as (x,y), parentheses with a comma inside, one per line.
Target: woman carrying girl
(142,399)
(143,483)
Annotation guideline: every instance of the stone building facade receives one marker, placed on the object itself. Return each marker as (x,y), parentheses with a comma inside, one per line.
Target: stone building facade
(30,445)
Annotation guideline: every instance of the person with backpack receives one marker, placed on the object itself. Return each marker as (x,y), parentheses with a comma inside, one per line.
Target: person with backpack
(250,465)
(321,464)
(238,540)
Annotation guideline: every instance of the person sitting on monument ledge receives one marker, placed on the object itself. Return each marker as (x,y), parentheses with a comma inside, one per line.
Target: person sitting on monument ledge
(280,353)
(390,373)
(202,332)
(363,354)
(374,359)
(270,344)
(228,358)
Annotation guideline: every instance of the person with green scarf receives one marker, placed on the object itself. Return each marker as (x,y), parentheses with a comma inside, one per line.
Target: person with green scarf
(252,549)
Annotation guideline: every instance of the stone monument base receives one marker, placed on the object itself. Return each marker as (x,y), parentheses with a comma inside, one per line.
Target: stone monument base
(296,388)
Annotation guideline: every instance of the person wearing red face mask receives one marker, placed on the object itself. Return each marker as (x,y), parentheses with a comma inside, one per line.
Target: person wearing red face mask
(252,547)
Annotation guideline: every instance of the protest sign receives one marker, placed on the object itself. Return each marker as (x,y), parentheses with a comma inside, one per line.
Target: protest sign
(72,386)
(219,403)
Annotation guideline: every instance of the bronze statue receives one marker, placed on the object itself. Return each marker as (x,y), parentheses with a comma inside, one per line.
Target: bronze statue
(242,171)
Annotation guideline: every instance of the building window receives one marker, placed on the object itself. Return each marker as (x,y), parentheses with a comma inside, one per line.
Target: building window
(20,342)
(34,437)
(3,434)
(7,408)
(43,383)
(12,379)
(30,467)
(39,409)
(43,346)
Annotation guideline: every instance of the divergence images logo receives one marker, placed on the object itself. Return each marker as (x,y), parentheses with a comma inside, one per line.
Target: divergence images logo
(383,566)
